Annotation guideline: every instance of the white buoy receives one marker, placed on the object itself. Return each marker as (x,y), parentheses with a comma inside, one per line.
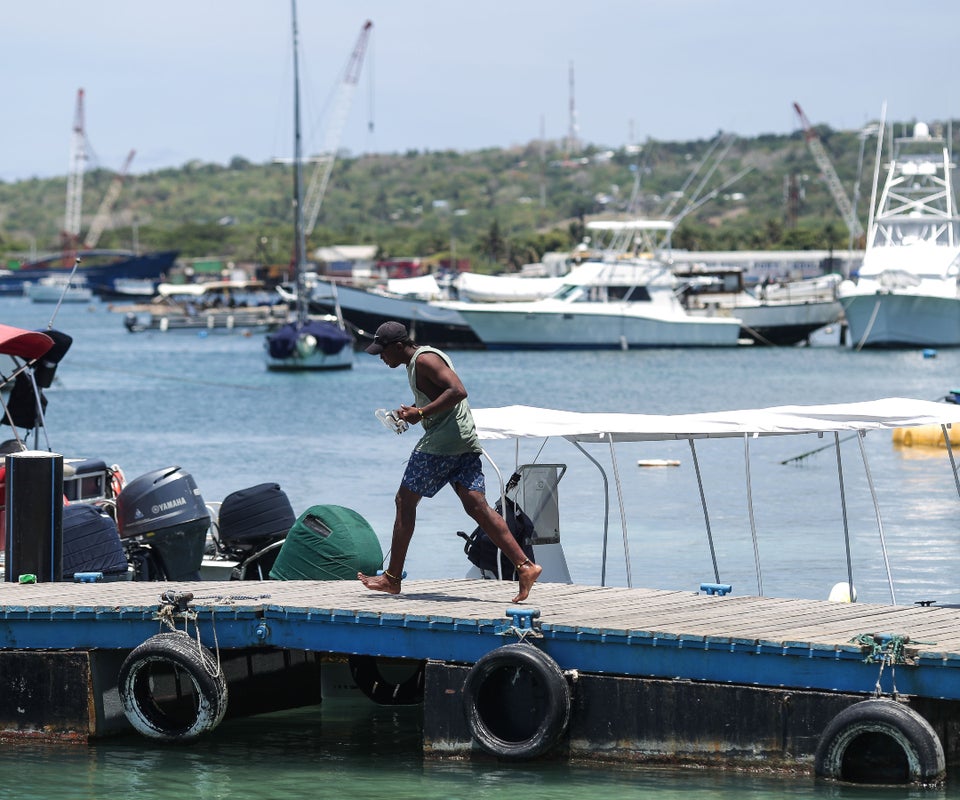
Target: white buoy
(840,593)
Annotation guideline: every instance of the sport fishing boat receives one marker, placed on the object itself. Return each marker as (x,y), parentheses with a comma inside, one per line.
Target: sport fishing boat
(306,342)
(610,304)
(907,293)
(623,297)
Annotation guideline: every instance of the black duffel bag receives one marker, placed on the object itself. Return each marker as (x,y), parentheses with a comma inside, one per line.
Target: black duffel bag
(483,553)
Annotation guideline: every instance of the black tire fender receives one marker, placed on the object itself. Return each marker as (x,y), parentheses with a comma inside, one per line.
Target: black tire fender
(517,702)
(852,746)
(158,666)
(384,690)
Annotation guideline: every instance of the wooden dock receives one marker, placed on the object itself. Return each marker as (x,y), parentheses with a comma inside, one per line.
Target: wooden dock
(634,632)
(784,646)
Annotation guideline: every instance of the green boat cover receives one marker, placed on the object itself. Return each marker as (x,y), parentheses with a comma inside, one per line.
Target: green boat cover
(328,543)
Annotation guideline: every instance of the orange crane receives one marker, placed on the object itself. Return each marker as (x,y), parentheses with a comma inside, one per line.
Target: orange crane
(321,175)
(106,205)
(74,211)
(830,176)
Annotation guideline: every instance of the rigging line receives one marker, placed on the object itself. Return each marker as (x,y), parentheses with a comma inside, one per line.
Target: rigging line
(177,379)
(817,450)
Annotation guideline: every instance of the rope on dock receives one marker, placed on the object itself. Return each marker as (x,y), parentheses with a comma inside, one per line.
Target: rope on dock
(883,648)
(176,604)
(887,649)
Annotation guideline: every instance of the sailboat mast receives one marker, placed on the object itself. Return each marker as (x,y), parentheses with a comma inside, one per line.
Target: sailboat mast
(299,244)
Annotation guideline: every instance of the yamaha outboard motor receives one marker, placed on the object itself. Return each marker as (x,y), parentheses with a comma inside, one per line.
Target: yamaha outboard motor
(163,524)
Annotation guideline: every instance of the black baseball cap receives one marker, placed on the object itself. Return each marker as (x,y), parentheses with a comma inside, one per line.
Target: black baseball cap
(388,333)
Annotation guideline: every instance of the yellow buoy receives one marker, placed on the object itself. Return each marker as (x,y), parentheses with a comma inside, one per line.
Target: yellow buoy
(925,436)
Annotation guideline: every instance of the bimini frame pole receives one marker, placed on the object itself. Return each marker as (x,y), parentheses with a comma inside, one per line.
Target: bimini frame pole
(753,523)
(953,463)
(846,527)
(503,499)
(623,516)
(703,504)
(876,510)
(606,509)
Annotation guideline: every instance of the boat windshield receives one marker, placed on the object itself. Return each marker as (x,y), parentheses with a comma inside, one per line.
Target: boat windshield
(575,293)
(570,292)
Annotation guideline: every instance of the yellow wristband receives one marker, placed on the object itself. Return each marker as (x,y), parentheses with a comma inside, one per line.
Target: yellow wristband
(420,410)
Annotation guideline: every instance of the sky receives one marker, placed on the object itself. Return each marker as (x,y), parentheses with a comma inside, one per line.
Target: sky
(208,80)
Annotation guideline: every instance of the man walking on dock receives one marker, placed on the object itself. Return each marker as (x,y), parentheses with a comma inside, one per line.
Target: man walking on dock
(448,452)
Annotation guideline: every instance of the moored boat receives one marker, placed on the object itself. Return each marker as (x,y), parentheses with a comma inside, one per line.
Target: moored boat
(235,305)
(907,294)
(306,342)
(428,321)
(99,269)
(58,289)
(612,304)
(774,314)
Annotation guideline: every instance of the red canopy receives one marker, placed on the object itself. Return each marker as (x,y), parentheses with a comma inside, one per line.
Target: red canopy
(25,344)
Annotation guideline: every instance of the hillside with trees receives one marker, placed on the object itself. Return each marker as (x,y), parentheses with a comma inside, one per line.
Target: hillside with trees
(499,208)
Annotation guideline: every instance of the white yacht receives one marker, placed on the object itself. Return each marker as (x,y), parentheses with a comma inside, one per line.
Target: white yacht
(618,303)
(906,293)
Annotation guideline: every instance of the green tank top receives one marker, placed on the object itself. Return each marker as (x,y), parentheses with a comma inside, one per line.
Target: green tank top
(447,433)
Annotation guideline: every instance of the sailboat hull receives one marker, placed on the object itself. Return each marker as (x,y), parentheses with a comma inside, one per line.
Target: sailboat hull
(309,346)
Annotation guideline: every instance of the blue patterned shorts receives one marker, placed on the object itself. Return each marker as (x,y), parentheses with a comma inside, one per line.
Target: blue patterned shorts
(426,473)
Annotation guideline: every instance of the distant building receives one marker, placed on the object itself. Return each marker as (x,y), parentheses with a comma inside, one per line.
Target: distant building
(352,263)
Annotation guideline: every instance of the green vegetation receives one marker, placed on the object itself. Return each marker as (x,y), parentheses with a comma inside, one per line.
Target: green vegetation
(499,208)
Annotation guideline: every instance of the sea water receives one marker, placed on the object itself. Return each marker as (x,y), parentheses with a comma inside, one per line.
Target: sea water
(206,403)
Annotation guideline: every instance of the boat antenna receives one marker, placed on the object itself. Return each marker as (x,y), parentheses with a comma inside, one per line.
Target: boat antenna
(63,292)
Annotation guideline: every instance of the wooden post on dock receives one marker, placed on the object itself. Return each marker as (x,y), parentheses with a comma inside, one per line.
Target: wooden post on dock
(34,523)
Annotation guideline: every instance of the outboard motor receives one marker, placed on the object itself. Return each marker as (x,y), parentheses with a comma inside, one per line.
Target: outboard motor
(252,525)
(163,524)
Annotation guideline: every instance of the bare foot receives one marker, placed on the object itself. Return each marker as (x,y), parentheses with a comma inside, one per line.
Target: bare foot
(528,574)
(380,583)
